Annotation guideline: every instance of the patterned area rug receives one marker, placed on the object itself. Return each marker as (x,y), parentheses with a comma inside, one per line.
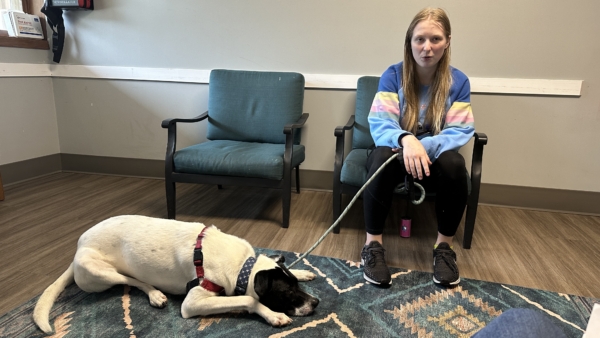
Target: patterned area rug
(412,307)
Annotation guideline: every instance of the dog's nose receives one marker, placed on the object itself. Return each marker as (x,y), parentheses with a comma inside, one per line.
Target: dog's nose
(314,302)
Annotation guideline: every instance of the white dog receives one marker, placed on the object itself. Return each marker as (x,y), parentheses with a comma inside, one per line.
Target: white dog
(176,257)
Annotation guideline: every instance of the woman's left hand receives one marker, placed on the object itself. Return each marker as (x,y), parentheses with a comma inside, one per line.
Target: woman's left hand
(415,156)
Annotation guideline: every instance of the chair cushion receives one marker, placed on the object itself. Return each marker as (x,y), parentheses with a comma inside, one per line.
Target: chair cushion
(253,106)
(234,158)
(354,170)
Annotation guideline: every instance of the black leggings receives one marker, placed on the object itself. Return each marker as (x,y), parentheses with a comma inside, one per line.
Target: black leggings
(448,178)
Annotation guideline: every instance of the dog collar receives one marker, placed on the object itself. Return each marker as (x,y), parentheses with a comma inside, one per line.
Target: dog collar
(198,261)
(244,276)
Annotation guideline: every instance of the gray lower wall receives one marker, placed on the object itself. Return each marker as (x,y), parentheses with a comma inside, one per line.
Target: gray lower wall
(493,194)
(27,169)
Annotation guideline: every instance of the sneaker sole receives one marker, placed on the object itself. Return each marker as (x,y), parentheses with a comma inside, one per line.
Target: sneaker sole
(362,262)
(451,283)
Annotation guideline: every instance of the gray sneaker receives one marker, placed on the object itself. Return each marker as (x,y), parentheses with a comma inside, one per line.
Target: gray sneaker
(374,268)
(445,270)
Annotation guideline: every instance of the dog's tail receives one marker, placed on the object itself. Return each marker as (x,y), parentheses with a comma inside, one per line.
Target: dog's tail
(44,304)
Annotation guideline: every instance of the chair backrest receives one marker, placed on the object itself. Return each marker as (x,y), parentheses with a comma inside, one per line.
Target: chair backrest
(253,106)
(366,89)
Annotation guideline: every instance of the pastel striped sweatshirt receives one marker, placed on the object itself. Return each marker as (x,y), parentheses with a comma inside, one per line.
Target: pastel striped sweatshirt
(389,104)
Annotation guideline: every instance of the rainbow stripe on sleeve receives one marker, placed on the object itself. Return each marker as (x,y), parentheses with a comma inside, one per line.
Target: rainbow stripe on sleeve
(460,115)
(385,105)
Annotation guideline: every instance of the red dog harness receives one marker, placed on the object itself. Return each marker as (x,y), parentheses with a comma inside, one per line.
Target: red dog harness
(198,260)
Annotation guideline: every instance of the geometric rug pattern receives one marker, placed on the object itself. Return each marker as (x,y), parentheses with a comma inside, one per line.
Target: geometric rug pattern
(349,307)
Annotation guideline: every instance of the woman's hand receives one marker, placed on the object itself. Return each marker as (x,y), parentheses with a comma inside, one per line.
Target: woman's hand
(416,160)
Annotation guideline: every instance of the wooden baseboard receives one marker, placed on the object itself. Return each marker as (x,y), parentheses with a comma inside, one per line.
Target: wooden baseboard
(28,169)
(113,165)
(570,201)
(1,189)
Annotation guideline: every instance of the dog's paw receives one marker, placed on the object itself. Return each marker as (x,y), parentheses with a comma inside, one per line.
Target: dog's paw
(303,275)
(157,299)
(278,319)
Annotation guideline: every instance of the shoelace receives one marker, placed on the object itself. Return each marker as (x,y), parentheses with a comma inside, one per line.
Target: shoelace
(375,255)
(446,256)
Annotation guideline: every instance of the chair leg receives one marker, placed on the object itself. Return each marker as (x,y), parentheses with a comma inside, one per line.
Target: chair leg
(337,209)
(298,179)
(170,190)
(469,224)
(1,189)
(286,199)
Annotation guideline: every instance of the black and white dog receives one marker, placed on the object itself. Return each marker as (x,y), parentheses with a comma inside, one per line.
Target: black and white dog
(176,257)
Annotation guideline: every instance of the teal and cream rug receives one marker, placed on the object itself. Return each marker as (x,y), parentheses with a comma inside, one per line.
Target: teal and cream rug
(412,307)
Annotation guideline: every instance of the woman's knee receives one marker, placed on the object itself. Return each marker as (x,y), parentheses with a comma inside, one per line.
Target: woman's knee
(452,164)
(378,157)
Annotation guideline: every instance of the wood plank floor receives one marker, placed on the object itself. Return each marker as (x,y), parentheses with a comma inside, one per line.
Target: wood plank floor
(41,220)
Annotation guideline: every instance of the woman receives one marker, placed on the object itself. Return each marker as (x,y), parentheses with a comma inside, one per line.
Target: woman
(422,110)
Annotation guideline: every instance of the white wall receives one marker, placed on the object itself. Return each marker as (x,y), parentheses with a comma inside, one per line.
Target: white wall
(123,118)
(22,55)
(28,126)
(536,141)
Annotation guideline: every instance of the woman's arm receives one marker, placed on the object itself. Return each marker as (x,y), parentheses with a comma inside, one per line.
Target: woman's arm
(385,112)
(459,124)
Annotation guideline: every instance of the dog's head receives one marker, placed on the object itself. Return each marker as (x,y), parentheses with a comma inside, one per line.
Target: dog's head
(277,288)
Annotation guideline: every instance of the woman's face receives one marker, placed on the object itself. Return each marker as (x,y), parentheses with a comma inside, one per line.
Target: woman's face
(428,44)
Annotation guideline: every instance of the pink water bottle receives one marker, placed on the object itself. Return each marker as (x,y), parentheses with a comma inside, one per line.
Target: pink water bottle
(405,227)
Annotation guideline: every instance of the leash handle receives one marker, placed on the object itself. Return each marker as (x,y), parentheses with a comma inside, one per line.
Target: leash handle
(402,187)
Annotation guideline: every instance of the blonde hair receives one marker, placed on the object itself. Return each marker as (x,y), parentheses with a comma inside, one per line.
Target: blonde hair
(442,80)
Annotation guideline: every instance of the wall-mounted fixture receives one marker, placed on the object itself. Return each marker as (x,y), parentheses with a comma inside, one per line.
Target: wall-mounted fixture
(54,11)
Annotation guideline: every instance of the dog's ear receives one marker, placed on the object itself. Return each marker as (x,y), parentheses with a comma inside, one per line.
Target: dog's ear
(262,282)
(278,258)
